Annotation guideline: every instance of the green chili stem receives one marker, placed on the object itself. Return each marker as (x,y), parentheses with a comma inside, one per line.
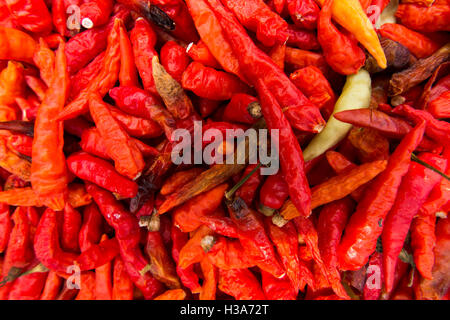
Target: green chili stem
(426,165)
(230,193)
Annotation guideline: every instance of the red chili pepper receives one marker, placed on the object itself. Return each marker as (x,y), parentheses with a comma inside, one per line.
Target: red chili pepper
(273,193)
(5,225)
(304,13)
(48,168)
(253,237)
(302,39)
(31,15)
(46,243)
(91,229)
(20,143)
(424,19)
(270,28)
(87,286)
(200,53)
(229,254)
(211,84)
(102,173)
(330,226)
(375,278)
(103,280)
(207,106)
(315,85)
(52,286)
(418,44)
(143,40)
(256,65)
(83,77)
(128,72)
(340,50)
(277,289)
(174,59)
(76,126)
(187,276)
(291,157)
(71,228)
(247,191)
(28,287)
(122,285)
(356,246)
(240,284)
(412,194)
(95,13)
(98,254)
(241,108)
(440,107)
(285,240)
(184,26)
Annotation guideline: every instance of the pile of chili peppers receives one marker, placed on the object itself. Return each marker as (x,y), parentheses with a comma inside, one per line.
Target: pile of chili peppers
(92,206)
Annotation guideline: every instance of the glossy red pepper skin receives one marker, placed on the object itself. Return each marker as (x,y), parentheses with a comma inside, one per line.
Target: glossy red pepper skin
(366,224)
(237,109)
(199,52)
(291,156)
(174,59)
(412,194)
(304,13)
(184,25)
(143,40)
(98,254)
(33,15)
(240,284)
(274,192)
(95,13)
(71,228)
(211,84)
(255,64)
(128,75)
(92,228)
(277,289)
(102,173)
(46,244)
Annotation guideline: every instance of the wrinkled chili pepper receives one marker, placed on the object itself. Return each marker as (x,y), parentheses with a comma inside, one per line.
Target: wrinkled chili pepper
(91,229)
(16,45)
(174,59)
(98,254)
(51,287)
(211,84)
(95,13)
(423,19)
(31,15)
(240,284)
(71,228)
(357,245)
(304,13)
(122,286)
(199,52)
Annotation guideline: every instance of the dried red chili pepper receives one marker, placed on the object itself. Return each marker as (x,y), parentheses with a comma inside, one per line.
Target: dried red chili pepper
(273,194)
(187,276)
(102,173)
(256,65)
(174,59)
(424,19)
(20,143)
(70,229)
(51,287)
(194,250)
(304,13)
(91,229)
(370,144)
(128,72)
(103,280)
(122,285)
(46,243)
(229,254)
(247,191)
(210,274)
(316,87)
(440,107)
(252,235)
(375,278)
(95,13)
(412,194)
(174,294)
(242,108)
(240,284)
(29,287)
(16,45)
(418,44)
(211,84)
(5,226)
(199,52)
(340,50)
(302,39)
(184,25)
(102,82)
(83,77)
(98,254)
(87,286)
(277,288)
(31,15)
(356,246)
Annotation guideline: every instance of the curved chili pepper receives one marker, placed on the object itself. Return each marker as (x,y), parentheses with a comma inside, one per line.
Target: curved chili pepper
(102,173)
(103,279)
(92,228)
(424,19)
(370,144)
(20,143)
(51,287)
(412,194)
(302,39)
(240,284)
(13,163)
(48,169)
(211,84)
(253,236)
(291,158)
(207,106)
(102,82)
(95,13)
(356,246)
(277,288)
(98,254)
(46,243)
(5,225)
(84,76)
(374,279)
(341,52)
(11,83)
(31,15)
(29,287)
(16,45)
(229,254)
(143,40)
(128,72)
(304,13)
(199,52)
(71,228)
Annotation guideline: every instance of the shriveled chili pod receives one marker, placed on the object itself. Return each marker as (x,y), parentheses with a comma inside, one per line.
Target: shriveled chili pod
(304,13)
(71,228)
(31,15)
(199,52)
(174,59)
(242,108)
(95,13)
(240,284)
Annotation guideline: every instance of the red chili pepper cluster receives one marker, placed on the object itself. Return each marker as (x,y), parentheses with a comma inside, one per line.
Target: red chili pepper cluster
(92,92)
